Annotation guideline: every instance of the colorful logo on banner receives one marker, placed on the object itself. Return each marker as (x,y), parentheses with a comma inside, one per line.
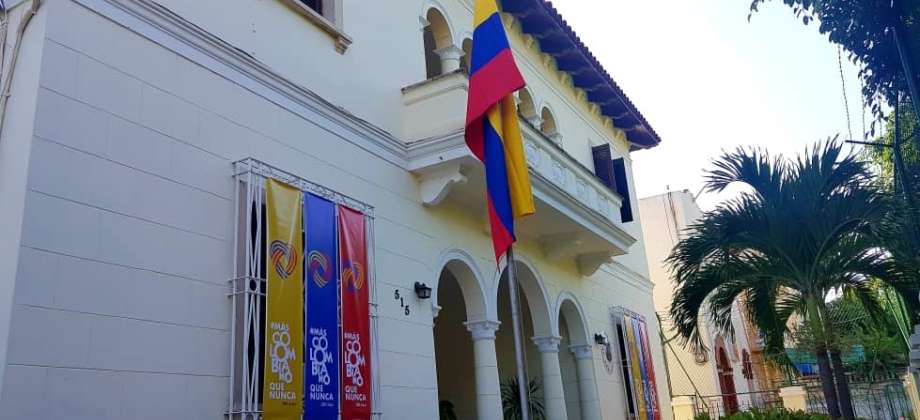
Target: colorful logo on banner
(318,266)
(643,369)
(322,311)
(650,372)
(353,275)
(356,394)
(284,258)
(283,383)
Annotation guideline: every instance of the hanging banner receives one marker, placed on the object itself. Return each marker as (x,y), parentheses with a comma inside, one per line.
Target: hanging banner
(650,371)
(321,381)
(283,384)
(642,369)
(356,332)
(635,364)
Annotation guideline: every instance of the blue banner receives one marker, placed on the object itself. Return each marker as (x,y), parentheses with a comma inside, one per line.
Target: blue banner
(321,382)
(645,382)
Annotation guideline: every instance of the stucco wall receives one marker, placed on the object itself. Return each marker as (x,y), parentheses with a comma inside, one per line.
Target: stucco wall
(120,304)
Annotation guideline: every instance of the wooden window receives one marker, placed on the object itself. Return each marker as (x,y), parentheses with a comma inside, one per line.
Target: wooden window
(622,188)
(316,5)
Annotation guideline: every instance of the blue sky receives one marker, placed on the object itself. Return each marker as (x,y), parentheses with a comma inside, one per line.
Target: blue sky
(707,80)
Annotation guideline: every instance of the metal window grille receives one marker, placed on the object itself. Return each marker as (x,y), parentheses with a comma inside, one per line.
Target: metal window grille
(247,288)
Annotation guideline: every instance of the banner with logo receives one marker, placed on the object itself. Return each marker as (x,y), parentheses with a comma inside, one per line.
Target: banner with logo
(321,382)
(283,383)
(635,363)
(642,368)
(356,339)
(649,371)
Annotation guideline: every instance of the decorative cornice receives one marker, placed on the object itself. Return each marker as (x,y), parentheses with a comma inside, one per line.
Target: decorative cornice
(483,329)
(437,183)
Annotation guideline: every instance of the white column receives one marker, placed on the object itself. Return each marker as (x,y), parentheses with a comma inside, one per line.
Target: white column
(553,394)
(450,58)
(587,383)
(485,366)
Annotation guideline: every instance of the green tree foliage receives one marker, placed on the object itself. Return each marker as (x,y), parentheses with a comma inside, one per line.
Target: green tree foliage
(863,29)
(806,227)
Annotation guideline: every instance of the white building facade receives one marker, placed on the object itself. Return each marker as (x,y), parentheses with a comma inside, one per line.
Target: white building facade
(134,150)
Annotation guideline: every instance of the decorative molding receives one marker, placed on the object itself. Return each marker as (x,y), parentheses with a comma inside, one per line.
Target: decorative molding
(559,172)
(556,247)
(437,183)
(581,352)
(482,330)
(435,311)
(547,344)
(450,52)
(531,153)
(342,40)
(588,264)
(535,121)
(423,22)
(556,138)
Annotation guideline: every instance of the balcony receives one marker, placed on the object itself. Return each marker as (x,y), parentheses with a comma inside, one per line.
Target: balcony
(577,216)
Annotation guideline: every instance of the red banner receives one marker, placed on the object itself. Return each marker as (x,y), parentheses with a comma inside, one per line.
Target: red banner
(356,322)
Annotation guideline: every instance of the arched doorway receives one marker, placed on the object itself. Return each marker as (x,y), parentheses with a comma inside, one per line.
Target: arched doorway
(726,381)
(537,336)
(459,292)
(577,379)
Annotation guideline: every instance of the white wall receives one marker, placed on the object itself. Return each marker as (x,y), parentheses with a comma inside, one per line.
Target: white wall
(15,146)
(126,239)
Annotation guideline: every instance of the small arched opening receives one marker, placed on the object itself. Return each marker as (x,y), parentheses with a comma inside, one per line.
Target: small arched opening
(436,36)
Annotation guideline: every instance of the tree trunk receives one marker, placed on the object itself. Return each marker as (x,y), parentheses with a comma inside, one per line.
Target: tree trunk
(827,383)
(815,318)
(843,388)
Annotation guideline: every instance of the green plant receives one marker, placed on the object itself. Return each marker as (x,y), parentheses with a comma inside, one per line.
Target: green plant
(511,400)
(768,414)
(446,409)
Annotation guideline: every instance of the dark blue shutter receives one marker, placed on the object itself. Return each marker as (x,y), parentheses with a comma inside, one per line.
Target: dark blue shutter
(603,165)
(316,5)
(622,188)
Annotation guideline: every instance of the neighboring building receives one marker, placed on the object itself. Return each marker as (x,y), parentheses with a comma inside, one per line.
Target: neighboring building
(733,375)
(134,155)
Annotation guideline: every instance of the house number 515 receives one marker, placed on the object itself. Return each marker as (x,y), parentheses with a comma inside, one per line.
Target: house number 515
(402,304)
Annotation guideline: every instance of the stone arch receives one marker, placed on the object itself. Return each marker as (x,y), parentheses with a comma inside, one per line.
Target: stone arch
(437,37)
(527,108)
(550,124)
(568,308)
(530,281)
(462,266)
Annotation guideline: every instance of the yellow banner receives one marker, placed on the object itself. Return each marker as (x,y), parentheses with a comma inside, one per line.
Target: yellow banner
(638,389)
(283,387)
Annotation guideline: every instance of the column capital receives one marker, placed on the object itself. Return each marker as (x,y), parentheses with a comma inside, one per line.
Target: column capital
(581,352)
(547,343)
(482,330)
(450,52)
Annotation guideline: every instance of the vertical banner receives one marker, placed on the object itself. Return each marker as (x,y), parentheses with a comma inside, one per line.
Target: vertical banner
(650,371)
(321,382)
(283,384)
(356,331)
(634,362)
(642,369)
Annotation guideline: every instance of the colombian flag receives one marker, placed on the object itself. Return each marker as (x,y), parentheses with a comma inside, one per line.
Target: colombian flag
(492,130)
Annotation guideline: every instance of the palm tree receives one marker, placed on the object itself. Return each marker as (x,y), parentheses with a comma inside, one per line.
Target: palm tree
(804,227)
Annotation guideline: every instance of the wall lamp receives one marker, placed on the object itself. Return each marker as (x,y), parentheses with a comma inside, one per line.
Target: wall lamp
(423,291)
(600,339)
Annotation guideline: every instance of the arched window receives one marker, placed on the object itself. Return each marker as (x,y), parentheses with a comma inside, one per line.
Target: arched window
(527,108)
(467,54)
(437,38)
(549,126)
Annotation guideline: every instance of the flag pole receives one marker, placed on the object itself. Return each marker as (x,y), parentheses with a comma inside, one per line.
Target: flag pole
(518,347)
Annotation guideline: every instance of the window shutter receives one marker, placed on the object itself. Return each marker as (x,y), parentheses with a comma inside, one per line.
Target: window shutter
(622,188)
(603,165)
(316,5)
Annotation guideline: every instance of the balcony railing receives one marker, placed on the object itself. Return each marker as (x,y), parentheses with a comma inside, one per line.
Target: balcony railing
(577,216)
